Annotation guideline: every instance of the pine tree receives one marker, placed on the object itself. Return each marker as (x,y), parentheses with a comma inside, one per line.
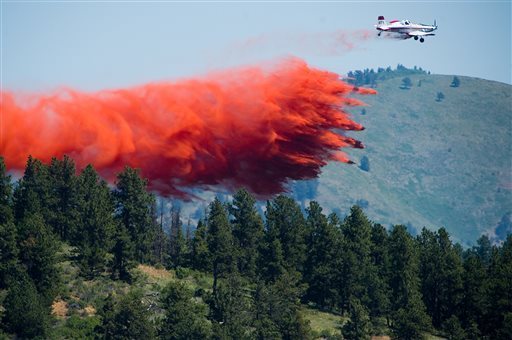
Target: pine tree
(247,232)
(123,254)
(220,242)
(441,275)
(500,292)
(380,259)
(475,283)
(128,319)
(8,232)
(178,244)
(200,256)
(285,220)
(63,200)
(27,313)
(32,194)
(97,225)
(37,253)
(135,209)
(184,318)
(324,258)
(230,312)
(358,327)
(356,266)
(408,311)
(277,309)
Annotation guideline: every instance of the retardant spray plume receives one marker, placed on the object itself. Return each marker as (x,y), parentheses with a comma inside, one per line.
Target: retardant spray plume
(255,127)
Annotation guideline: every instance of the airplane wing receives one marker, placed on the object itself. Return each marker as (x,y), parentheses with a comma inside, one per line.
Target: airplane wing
(419,33)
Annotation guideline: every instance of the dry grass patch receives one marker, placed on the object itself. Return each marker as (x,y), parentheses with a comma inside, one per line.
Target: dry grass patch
(89,310)
(60,309)
(154,273)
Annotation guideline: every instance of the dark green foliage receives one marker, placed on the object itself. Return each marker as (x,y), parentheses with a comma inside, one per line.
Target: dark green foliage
(8,252)
(123,254)
(200,254)
(441,275)
(220,242)
(358,327)
(6,214)
(32,194)
(357,268)
(63,198)
(37,253)
(78,328)
(126,319)
(247,232)
(408,311)
(178,243)
(185,318)
(97,225)
(455,82)
(285,221)
(27,313)
(277,309)
(500,291)
(324,258)
(453,329)
(229,308)
(134,208)
(439,96)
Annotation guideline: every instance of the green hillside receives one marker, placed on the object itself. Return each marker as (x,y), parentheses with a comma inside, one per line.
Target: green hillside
(432,163)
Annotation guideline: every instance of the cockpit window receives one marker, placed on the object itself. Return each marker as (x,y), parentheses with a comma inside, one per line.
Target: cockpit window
(406,22)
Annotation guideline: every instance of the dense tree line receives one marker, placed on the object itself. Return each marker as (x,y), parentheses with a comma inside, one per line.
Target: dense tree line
(264,268)
(370,77)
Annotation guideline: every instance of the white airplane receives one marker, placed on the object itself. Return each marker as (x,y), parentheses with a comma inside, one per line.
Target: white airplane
(405,29)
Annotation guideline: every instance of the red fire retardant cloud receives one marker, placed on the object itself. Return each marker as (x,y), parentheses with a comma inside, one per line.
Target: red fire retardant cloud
(255,127)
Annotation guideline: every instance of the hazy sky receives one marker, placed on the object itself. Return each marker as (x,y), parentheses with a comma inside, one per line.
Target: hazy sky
(92,45)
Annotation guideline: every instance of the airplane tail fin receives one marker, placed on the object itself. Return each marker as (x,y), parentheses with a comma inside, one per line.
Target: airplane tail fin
(381,20)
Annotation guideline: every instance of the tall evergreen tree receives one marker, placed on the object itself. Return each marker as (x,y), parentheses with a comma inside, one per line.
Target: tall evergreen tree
(27,313)
(475,283)
(358,327)
(178,244)
(32,194)
(220,242)
(63,200)
(123,254)
(184,318)
(37,253)
(97,225)
(8,232)
(134,208)
(441,275)
(500,293)
(379,283)
(409,315)
(247,231)
(229,306)
(277,309)
(200,254)
(127,319)
(324,258)
(357,267)
(284,218)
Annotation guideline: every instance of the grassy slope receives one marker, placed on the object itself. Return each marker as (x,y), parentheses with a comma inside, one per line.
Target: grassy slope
(432,163)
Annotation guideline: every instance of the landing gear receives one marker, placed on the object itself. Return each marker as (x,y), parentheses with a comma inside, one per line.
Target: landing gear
(422,40)
(379,33)
(415,37)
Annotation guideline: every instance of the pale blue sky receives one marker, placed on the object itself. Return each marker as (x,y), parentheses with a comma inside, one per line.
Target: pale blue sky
(98,45)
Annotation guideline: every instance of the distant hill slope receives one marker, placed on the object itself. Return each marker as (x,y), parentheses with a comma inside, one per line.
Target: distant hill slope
(431,163)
